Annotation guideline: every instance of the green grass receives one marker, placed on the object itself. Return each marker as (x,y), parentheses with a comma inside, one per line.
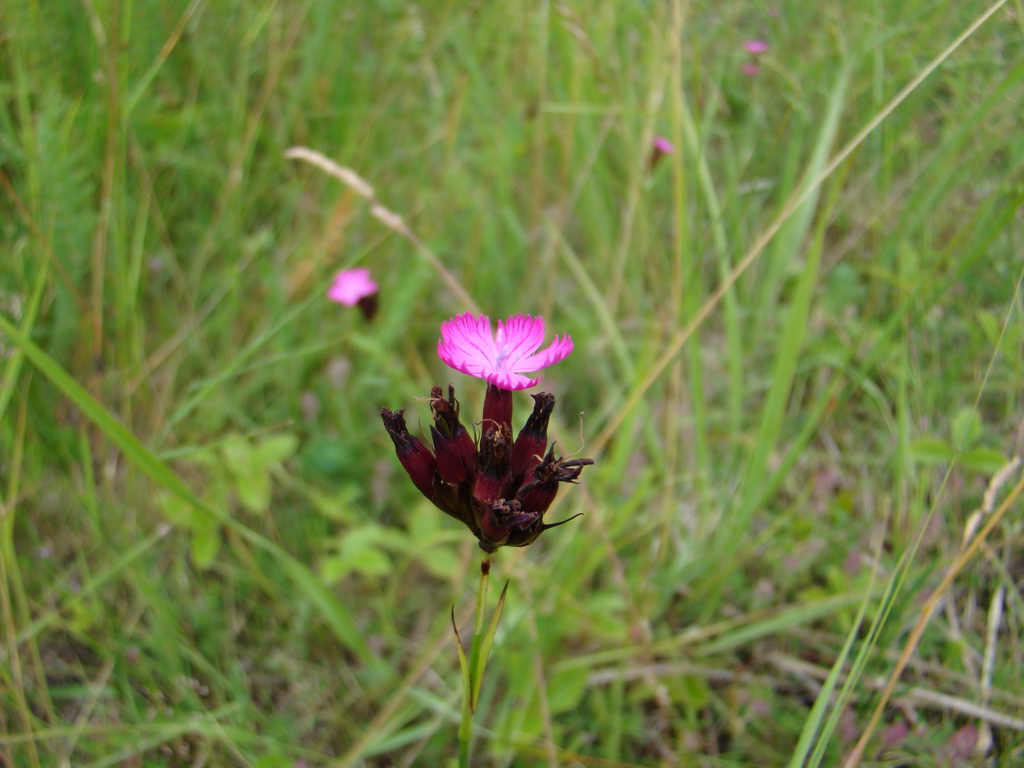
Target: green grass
(798,355)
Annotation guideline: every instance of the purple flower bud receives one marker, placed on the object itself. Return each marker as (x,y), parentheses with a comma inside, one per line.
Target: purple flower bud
(492,476)
(502,520)
(533,439)
(453,445)
(414,456)
(497,407)
(537,494)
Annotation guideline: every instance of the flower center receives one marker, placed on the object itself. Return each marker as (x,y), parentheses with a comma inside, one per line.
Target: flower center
(502,357)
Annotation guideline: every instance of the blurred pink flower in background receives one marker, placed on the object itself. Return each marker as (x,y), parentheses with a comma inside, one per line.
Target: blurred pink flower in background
(755,48)
(468,345)
(352,285)
(660,146)
(355,287)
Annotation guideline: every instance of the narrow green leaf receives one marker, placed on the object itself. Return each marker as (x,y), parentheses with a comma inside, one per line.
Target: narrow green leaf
(485,645)
(815,728)
(466,726)
(13,367)
(790,241)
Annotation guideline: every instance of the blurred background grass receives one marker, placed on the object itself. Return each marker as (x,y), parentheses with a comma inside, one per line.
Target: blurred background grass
(210,555)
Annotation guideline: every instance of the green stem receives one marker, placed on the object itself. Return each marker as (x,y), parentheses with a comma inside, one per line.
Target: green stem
(471,686)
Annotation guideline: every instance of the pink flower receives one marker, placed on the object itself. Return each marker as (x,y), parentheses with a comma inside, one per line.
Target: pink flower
(351,286)
(756,46)
(662,145)
(467,345)
(751,69)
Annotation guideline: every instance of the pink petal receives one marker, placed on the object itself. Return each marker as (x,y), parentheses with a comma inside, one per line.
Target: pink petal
(351,285)
(555,352)
(663,145)
(468,346)
(512,381)
(756,46)
(518,337)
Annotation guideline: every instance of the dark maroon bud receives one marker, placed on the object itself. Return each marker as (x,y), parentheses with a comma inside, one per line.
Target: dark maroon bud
(523,537)
(501,518)
(526,535)
(492,466)
(497,407)
(453,445)
(455,500)
(533,438)
(414,456)
(368,306)
(537,494)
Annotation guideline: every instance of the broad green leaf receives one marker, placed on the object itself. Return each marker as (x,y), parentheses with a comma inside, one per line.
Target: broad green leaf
(931,451)
(254,491)
(178,511)
(334,506)
(441,562)
(566,688)
(362,550)
(275,449)
(252,480)
(205,544)
(988,461)
(966,427)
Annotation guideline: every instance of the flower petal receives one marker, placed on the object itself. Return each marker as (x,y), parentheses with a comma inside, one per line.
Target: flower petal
(351,285)
(555,352)
(513,381)
(468,345)
(518,337)
(662,145)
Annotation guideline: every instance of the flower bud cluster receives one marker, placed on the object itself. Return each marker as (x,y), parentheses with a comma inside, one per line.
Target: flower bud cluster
(498,487)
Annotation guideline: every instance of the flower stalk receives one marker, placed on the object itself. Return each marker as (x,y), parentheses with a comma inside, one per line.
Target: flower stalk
(473,666)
